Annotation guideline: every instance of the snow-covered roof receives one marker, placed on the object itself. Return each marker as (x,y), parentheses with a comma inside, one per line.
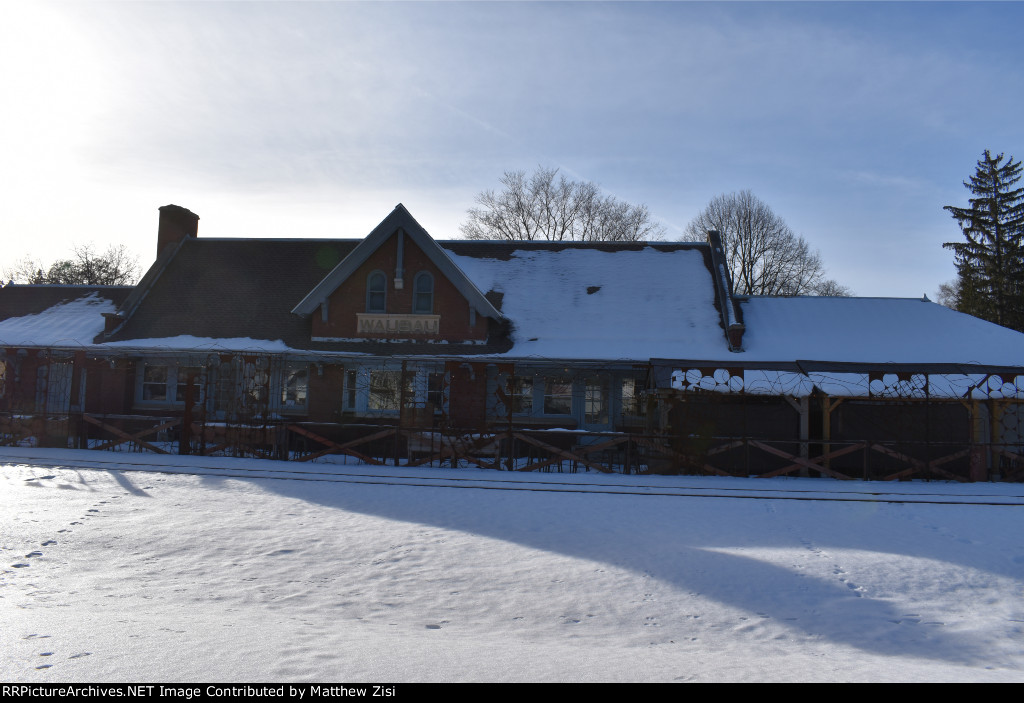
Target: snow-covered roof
(572,301)
(67,324)
(577,303)
(873,331)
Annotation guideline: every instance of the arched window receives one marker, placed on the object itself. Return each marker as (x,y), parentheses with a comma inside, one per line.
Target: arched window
(376,292)
(423,294)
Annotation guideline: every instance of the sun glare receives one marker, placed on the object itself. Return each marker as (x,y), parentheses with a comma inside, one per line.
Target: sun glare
(53,88)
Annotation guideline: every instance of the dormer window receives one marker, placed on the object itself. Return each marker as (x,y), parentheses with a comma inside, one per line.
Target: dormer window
(376,292)
(423,294)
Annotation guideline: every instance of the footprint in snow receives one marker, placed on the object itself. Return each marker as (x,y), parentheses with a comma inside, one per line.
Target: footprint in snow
(19,566)
(33,554)
(79,655)
(48,542)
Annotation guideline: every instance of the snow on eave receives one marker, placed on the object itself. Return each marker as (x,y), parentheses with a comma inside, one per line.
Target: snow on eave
(189,343)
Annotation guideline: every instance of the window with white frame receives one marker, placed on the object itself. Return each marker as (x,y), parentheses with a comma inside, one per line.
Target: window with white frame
(389,388)
(595,402)
(633,404)
(53,387)
(163,383)
(351,399)
(590,400)
(225,390)
(557,395)
(436,390)
(294,386)
(154,383)
(186,374)
(385,389)
(516,395)
(255,395)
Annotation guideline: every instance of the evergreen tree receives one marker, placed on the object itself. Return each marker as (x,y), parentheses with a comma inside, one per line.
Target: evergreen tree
(990,263)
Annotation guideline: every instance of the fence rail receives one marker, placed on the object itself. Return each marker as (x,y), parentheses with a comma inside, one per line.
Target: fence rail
(521,449)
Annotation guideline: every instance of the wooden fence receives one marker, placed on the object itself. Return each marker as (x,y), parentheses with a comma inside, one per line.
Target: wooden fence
(525,449)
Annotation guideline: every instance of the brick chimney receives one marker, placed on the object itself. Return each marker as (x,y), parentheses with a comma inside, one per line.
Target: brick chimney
(176,224)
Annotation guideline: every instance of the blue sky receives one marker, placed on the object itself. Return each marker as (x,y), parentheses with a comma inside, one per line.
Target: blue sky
(856,122)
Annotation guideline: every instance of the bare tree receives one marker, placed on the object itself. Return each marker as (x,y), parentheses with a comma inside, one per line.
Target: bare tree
(834,288)
(116,266)
(949,294)
(27,270)
(549,206)
(765,256)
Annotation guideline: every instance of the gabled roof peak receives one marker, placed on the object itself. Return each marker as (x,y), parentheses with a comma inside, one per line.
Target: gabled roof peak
(398,220)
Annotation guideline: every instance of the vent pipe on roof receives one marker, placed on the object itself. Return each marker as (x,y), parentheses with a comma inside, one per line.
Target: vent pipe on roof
(176,224)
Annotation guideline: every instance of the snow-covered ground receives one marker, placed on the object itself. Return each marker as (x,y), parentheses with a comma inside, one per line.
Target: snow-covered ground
(126,571)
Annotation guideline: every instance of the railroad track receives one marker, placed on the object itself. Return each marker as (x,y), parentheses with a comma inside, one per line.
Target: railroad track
(521,483)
